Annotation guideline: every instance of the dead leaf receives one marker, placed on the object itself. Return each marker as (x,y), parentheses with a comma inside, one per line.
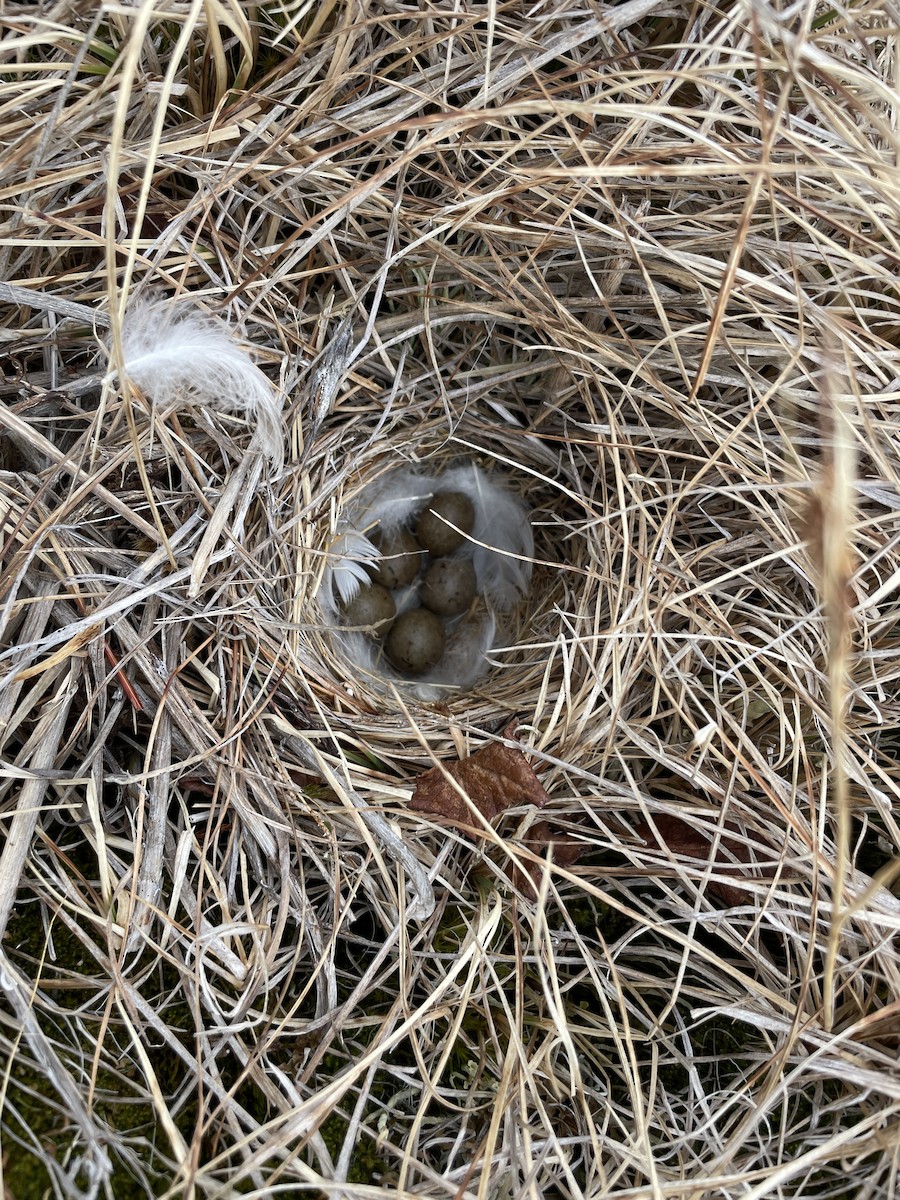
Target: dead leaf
(683,840)
(495,778)
(541,835)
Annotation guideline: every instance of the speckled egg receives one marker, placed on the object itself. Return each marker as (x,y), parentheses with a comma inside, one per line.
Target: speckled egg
(416,641)
(449,586)
(401,557)
(372,605)
(432,529)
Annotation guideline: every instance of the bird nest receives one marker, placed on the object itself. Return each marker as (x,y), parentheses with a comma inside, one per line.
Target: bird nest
(486,648)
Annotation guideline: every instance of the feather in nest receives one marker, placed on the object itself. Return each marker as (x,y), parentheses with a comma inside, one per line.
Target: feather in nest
(350,555)
(501,547)
(176,353)
(502,543)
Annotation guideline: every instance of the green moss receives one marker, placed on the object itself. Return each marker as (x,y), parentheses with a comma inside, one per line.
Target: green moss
(32,1121)
(33,1128)
(366,1164)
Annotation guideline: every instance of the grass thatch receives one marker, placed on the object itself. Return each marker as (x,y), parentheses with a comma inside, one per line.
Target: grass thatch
(642,260)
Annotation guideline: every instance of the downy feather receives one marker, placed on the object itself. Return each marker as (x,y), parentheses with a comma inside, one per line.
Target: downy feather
(503,561)
(350,554)
(391,501)
(178,354)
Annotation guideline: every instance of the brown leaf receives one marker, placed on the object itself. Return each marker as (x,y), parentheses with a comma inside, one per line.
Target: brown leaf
(540,836)
(495,778)
(683,839)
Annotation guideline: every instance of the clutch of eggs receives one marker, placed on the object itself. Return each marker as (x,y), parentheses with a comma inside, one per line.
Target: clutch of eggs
(421,570)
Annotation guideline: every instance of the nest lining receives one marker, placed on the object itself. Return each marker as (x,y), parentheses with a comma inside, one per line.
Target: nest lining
(499,548)
(496,667)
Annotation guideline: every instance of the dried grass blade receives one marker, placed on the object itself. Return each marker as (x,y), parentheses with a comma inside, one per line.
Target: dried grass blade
(88,483)
(95,1167)
(151,832)
(38,753)
(424,902)
(837,499)
(237,493)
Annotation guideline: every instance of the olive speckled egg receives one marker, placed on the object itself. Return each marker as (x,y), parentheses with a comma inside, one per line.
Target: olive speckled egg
(416,641)
(432,529)
(372,605)
(401,557)
(449,586)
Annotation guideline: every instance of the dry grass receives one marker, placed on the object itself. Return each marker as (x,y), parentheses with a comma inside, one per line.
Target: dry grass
(642,260)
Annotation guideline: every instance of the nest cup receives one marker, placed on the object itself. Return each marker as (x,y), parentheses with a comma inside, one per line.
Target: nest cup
(487,659)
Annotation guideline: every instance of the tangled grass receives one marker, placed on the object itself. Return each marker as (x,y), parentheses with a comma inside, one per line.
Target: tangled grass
(640,260)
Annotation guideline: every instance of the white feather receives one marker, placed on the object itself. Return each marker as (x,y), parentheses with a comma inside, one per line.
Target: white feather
(176,353)
(350,554)
(388,503)
(392,500)
(504,543)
